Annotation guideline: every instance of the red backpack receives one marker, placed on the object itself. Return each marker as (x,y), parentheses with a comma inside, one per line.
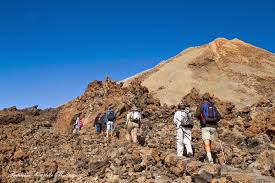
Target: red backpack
(81,124)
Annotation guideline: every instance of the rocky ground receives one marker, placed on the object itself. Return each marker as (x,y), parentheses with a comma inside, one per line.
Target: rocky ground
(37,145)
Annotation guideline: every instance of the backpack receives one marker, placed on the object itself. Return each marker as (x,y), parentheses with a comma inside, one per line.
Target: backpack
(81,124)
(185,118)
(103,119)
(135,117)
(111,116)
(209,112)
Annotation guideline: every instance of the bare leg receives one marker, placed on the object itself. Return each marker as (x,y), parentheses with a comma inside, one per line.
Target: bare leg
(128,137)
(134,135)
(207,146)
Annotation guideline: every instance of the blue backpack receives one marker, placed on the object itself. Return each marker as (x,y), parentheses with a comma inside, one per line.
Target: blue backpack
(209,112)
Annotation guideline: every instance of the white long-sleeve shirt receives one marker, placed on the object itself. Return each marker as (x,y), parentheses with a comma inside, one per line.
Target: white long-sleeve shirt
(129,116)
(178,116)
(77,123)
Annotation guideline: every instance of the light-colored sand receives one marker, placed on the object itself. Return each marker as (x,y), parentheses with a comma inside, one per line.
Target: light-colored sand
(227,69)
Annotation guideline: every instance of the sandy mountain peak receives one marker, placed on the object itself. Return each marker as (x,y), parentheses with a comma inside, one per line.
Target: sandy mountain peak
(230,69)
(222,41)
(222,46)
(219,41)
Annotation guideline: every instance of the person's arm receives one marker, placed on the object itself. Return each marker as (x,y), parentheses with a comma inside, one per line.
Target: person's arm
(127,118)
(104,120)
(176,118)
(96,120)
(77,124)
(218,115)
(139,120)
(94,123)
(190,115)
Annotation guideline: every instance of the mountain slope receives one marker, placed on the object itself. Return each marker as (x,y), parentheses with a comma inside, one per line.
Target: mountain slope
(32,151)
(230,69)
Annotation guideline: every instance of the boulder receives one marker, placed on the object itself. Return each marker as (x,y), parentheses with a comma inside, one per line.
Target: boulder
(265,163)
(14,116)
(20,155)
(193,167)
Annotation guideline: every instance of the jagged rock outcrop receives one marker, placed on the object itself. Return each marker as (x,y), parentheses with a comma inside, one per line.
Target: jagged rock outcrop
(98,97)
(13,115)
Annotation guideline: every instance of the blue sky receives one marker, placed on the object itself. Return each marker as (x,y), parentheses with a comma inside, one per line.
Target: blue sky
(50,50)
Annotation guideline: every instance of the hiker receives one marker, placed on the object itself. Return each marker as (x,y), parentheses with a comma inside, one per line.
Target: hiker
(183,121)
(111,117)
(97,123)
(133,124)
(103,121)
(78,125)
(209,117)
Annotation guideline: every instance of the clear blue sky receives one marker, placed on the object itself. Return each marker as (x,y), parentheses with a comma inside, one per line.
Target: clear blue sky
(51,49)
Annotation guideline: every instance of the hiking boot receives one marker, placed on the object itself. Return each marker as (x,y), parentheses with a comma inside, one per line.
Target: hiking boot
(210,160)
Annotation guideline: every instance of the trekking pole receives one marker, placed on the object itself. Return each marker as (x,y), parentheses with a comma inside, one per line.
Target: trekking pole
(223,152)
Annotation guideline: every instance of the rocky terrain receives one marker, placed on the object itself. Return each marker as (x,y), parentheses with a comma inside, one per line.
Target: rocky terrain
(232,70)
(38,146)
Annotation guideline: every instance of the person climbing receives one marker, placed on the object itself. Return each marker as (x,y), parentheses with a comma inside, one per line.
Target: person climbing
(78,125)
(183,121)
(209,117)
(111,117)
(133,122)
(97,123)
(103,121)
